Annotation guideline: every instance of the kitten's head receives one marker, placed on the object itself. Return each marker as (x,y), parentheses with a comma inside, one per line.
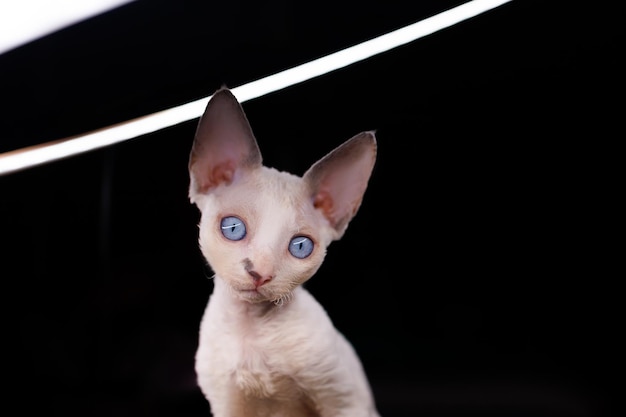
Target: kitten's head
(263,231)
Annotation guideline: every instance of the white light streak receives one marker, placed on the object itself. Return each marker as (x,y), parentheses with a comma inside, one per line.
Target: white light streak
(35,155)
(23,21)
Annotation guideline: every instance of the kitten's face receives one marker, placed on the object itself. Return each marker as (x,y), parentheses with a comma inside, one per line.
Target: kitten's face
(262,236)
(265,232)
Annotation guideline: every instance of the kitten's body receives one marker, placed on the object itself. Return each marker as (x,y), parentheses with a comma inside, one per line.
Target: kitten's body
(267,348)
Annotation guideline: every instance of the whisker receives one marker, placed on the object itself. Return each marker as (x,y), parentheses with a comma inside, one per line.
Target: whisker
(284,298)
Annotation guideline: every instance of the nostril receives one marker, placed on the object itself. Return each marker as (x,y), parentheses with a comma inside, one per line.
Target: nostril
(255,275)
(258,278)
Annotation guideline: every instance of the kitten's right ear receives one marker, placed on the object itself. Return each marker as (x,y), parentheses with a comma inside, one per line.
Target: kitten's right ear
(224,145)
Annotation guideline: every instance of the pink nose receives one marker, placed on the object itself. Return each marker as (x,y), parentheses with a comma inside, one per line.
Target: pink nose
(258,278)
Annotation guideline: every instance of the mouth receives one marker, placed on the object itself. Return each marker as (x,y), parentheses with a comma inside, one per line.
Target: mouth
(256,295)
(250,294)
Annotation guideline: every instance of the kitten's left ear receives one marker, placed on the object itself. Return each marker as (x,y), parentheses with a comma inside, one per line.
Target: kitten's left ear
(224,147)
(338,181)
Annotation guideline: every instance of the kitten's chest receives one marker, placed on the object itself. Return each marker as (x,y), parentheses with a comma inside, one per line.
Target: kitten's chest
(256,355)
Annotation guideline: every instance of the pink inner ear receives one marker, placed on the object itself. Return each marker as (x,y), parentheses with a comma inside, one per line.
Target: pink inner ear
(221,173)
(337,202)
(324,202)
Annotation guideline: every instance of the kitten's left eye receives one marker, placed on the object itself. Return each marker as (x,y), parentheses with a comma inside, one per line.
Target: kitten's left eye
(301,247)
(233,228)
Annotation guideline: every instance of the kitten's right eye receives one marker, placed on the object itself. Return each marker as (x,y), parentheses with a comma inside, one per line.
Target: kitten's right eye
(233,228)
(301,247)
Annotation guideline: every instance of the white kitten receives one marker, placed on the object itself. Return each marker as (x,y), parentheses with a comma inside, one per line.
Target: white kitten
(267,347)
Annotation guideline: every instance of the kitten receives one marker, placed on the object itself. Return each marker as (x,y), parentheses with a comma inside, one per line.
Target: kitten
(266,346)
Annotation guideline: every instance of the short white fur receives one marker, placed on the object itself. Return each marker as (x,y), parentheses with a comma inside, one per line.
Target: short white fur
(267,348)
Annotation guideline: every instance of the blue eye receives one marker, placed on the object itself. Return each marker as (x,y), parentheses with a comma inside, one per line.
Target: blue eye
(301,247)
(233,228)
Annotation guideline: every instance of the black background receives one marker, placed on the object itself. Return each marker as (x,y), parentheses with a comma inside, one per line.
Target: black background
(480,276)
